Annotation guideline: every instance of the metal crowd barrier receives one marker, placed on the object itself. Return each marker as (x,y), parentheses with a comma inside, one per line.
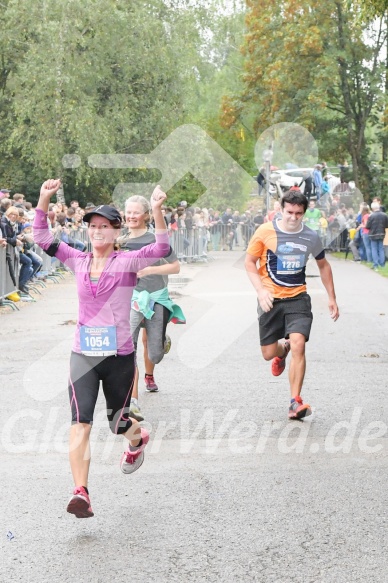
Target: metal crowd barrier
(9,261)
(187,244)
(193,244)
(51,268)
(226,237)
(9,283)
(190,244)
(81,234)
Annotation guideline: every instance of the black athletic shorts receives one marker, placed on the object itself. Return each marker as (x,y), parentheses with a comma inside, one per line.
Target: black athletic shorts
(287,315)
(116,373)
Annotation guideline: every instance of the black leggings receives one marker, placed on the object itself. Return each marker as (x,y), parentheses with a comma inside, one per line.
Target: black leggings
(117,375)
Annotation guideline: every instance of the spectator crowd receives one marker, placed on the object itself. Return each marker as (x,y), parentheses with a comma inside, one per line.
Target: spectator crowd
(341,227)
(194,230)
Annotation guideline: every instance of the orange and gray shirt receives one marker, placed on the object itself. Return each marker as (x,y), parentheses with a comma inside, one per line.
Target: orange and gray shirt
(283,257)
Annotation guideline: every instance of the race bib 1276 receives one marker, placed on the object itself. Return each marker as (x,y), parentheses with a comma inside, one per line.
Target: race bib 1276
(289,264)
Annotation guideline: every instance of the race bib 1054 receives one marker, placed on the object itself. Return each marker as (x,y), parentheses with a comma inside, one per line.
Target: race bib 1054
(98,341)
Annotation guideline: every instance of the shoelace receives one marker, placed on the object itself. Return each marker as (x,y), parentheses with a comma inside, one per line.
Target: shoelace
(79,491)
(131,456)
(297,403)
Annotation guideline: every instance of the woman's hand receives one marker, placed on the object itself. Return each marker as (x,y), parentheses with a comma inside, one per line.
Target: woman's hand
(146,271)
(49,188)
(157,198)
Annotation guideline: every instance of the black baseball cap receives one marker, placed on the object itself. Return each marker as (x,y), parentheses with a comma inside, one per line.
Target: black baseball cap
(104,210)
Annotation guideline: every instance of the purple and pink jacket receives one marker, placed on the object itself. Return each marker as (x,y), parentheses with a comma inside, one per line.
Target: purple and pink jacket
(109,302)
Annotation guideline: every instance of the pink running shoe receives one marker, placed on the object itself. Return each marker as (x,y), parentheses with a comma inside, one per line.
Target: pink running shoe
(150,384)
(132,460)
(79,503)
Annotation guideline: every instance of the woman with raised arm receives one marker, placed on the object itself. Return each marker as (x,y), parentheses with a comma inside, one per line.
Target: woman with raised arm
(152,307)
(103,349)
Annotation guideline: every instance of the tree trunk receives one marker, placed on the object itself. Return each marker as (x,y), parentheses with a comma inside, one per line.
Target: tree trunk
(355,123)
(343,74)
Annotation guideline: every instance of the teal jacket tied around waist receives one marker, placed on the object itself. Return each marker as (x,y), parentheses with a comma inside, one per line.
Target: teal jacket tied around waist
(144,302)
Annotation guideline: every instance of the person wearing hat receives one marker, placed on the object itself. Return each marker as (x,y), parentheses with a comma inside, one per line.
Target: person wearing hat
(103,348)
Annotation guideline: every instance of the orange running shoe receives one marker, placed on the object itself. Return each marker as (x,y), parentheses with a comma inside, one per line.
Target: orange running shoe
(279,363)
(298,409)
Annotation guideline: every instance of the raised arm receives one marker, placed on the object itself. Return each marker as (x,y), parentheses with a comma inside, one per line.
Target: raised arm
(147,255)
(42,235)
(47,190)
(157,199)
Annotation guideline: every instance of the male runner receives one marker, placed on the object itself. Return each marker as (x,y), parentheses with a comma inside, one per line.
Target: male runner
(282,247)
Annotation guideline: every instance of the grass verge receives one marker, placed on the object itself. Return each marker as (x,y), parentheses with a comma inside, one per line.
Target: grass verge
(341,255)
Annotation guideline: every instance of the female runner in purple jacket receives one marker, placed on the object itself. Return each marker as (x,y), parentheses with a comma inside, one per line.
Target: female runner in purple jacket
(103,349)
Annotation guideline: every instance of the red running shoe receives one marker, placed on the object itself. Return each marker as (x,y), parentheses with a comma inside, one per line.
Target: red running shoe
(79,503)
(279,363)
(298,410)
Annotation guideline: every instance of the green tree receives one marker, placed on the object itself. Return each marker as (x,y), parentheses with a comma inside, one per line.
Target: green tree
(91,77)
(310,63)
(84,77)
(218,73)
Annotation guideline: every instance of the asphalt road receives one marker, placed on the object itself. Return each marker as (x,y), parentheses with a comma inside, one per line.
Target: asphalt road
(230,489)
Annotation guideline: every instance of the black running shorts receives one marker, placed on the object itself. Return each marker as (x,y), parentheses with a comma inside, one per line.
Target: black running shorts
(287,315)
(117,375)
